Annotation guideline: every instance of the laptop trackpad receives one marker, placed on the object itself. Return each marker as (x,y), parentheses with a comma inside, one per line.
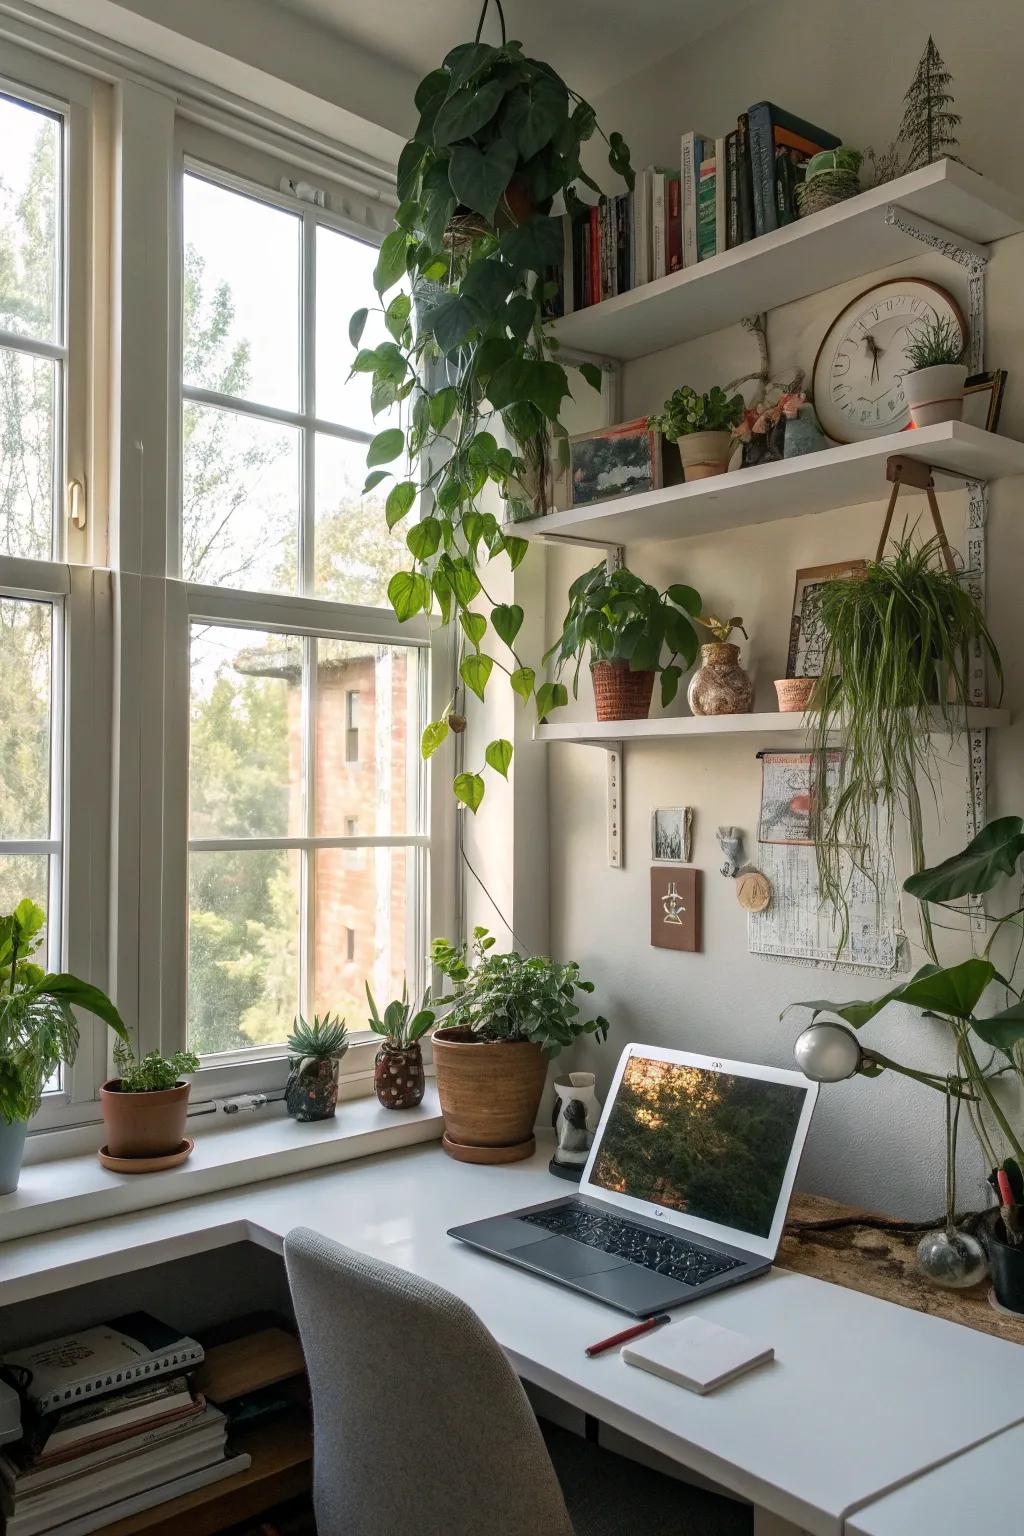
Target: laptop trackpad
(561,1256)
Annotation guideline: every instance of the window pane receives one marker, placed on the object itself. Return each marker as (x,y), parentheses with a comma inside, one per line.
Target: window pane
(356,553)
(21,875)
(241,295)
(30,221)
(240,503)
(243,950)
(360,929)
(29,391)
(25,705)
(245,739)
(363,750)
(344,283)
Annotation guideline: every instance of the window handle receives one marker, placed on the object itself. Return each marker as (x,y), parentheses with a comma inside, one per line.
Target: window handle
(76,504)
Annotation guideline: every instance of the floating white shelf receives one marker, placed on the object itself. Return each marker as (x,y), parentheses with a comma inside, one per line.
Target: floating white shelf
(609,733)
(815,482)
(843,242)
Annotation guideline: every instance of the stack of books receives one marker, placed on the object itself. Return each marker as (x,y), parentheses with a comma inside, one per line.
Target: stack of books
(111,1426)
(725,191)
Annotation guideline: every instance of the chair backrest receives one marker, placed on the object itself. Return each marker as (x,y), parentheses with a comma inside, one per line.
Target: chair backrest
(421,1427)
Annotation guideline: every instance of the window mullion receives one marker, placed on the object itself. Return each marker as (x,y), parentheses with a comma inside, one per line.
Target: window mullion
(307,857)
(307,333)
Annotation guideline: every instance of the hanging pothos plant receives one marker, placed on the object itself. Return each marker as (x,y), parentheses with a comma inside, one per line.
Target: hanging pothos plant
(470,364)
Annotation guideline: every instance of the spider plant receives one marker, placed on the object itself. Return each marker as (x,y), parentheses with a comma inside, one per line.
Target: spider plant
(897,648)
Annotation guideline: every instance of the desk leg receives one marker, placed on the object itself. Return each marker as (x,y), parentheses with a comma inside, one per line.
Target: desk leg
(767,1524)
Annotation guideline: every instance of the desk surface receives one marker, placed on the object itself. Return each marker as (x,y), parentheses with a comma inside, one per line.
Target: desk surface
(977,1491)
(862,1395)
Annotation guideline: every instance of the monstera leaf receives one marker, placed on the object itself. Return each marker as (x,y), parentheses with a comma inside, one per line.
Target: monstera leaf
(985,861)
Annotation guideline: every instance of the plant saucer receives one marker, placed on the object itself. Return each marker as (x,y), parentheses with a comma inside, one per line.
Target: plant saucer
(146,1164)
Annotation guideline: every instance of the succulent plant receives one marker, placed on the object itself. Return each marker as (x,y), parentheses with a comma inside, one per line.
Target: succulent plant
(325,1039)
(399,1026)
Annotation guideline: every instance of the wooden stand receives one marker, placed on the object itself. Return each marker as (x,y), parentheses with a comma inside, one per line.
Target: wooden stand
(912,472)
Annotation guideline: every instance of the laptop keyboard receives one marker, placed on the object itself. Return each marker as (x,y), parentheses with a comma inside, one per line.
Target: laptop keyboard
(672,1256)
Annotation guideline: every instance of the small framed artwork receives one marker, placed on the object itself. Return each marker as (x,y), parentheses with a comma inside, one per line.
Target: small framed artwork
(676,909)
(671,834)
(983,399)
(614,461)
(806,635)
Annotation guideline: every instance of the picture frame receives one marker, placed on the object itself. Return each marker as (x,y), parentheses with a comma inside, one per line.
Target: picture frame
(806,638)
(671,834)
(983,399)
(622,460)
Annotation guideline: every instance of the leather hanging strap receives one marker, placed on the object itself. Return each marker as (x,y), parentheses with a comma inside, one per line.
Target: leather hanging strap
(911,472)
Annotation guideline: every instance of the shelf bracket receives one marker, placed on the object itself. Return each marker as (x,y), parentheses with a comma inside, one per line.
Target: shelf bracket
(973,258)
(977,742)
(616,802)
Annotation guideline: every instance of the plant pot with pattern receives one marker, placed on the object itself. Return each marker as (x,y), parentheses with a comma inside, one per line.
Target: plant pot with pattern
(398,1076)
(314,1057)
(506,1017)
(633,632)
(145,1107)
(720,686)
(702,426)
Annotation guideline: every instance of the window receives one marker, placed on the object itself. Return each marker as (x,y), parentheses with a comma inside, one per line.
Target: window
(352,726)
(350,944)
(353,857)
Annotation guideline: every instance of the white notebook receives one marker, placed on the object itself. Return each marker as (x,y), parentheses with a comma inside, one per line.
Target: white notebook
(696,1354)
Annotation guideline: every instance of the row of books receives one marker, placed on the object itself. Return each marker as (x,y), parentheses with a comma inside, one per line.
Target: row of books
(726,191)
(111,1426)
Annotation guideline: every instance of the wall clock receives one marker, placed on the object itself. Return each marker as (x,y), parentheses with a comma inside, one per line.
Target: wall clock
(858,372)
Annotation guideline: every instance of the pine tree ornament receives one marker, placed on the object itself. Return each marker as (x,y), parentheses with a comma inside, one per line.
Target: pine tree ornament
(928,127)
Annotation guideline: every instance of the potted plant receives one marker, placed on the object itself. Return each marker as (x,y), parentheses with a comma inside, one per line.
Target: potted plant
(509,1014)
(38,1030)
(702,426)
(627,626)
(720,686)
(314,1056)
(398,1078)
(934,381)
(146,1105)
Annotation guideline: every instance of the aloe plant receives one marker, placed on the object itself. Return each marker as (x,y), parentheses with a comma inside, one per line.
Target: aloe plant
(399,1026)
(325,1039)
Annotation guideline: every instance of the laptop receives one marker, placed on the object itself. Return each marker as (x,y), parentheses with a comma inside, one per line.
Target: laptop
(685,1190)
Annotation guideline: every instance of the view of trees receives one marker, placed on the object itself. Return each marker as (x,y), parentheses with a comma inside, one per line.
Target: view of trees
(713,1145)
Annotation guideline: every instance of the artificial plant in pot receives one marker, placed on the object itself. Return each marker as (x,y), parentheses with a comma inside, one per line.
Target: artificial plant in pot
(470,374)
(146,1105)
(314,1060)
(702,426)
(628,627)
(508,1016)
(38,1030)
(720,686)
(936,374)
(398,1076)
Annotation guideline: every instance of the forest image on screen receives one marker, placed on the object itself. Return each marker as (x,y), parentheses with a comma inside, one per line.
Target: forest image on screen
(711,1144)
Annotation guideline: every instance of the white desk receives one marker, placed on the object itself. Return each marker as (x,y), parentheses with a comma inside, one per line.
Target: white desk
(979,1490)
(862,1396)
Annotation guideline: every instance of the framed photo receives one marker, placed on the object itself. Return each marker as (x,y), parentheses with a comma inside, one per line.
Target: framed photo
(671,834)
(614,461)
(983,399)
(806,636)
(677,909)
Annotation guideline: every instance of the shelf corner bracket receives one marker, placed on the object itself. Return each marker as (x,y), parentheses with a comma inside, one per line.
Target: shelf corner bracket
(616,804)
(972,257)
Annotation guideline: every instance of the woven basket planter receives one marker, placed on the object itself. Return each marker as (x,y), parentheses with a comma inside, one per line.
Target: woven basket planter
(619,693)
(825,190)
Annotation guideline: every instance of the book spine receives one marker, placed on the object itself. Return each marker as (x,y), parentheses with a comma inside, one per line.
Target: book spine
(689,166)
(578,269)
(568,273)
(762,164)
(797,125)
(721,237)
(796,141)
(643,228)
(658,225)
(595,254)
(733,236)
(610,253)
(745,177)
(621,246)
(706,240)
(673,222)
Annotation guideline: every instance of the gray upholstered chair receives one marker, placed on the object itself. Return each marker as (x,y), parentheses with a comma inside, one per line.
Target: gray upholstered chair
(422,1428)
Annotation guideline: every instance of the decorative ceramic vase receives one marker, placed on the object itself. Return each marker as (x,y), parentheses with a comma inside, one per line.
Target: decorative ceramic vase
(12,1150)
(398,1078)
(952,1258)
(704,454)
(311,1092)
(720,686)
(490,1092)
(803,434)
(936,394)
(575,1119)
(794,693)
(620,693)
(144,1124)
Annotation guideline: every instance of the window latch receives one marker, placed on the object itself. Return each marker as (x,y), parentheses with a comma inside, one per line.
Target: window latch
(76,504)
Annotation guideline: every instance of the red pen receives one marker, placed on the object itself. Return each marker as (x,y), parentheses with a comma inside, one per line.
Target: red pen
(627,1334)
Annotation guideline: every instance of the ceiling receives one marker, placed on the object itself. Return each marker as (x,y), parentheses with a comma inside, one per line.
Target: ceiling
(595,43)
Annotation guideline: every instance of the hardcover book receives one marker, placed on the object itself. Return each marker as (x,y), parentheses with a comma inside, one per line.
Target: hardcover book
(707,197)
(691,147)
(764,119)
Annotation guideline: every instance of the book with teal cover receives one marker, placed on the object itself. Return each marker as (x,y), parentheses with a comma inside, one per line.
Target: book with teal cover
(707,238)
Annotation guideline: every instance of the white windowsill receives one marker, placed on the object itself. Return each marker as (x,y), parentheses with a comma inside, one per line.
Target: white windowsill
(67,1191)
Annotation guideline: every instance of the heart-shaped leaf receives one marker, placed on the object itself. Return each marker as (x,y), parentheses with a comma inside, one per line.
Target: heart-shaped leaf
(387,445)
(433,736)
(593,375)
(374,479)
(475,671)
(522,681)
(451,321)
(356,326)
(479,178)
(469,789)
(423,538)
(396,316)
(408,594)
(442,407)
(466,111)
(474,624)
(390,267)
(551,696)
(507,619)
(400,500)
(1003,1030)
(498,755)
(535,244)
(409,162)
(986,860)
(533,115)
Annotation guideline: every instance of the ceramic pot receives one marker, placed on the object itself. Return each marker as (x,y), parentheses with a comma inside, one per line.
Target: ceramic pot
(936,394)
(12,1150)
(720,686)
(144,1124)
(490,1093)
(575,1119)
(398,1078)
(311,1092)
(704,454)
(619,693)
(1007,1265)
(794,693)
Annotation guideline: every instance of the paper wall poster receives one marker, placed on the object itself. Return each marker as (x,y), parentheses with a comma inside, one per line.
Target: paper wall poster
(787,795)
(807,633)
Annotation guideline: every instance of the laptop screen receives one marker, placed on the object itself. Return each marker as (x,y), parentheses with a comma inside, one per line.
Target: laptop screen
(710,1144)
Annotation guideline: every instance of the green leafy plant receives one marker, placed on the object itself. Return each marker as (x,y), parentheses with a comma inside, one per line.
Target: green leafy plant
(399,1025)
(38,1030)
(935,340)
(513,997)
(686,411)
(896,650)
(721,628)
(469,360)
(151,1073)
(325,1039)
(618,617)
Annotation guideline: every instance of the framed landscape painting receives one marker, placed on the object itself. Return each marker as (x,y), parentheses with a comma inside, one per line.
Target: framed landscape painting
(614,461)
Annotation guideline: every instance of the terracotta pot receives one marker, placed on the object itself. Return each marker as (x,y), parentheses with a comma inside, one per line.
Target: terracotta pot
(720,686)
(490,1093)
(144,1124)
(398,1078)
(619,693)
(704,454)
(794,693)
(936,394)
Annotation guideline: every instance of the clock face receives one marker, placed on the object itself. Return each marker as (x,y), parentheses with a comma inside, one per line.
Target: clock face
(858,373)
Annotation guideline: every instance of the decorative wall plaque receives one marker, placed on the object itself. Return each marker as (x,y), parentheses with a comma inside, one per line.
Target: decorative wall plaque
(676,899)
